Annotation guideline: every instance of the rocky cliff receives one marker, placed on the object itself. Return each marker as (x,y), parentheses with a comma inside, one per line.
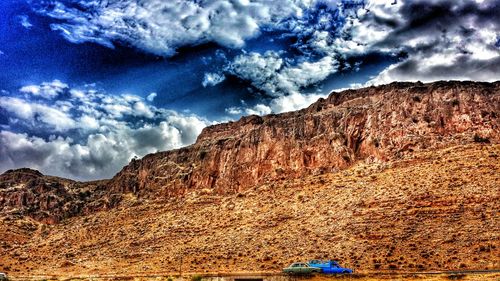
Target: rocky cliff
(372,124)
(26,192)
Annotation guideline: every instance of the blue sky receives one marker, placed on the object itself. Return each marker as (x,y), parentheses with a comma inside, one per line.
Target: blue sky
(87,85)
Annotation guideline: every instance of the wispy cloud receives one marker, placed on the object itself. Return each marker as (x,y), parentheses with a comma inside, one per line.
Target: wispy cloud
(24,21)
(212,79)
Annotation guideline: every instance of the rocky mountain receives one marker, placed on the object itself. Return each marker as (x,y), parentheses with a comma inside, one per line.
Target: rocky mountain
(372,124)
(26,192)
(404,176)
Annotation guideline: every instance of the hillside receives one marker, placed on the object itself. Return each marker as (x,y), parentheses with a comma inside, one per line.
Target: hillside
(436,209)
(403,177)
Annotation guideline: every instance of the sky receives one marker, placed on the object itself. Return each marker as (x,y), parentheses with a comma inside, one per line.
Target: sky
(87,85)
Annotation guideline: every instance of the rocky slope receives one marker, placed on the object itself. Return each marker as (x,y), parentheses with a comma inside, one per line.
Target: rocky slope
(372,124)
(404,176)
(431,210)
(26,192)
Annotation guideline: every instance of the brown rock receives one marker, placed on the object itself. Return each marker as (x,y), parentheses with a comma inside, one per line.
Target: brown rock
(372,124)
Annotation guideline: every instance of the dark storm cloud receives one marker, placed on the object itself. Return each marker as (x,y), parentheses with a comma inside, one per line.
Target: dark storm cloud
(436,18)
(444,40)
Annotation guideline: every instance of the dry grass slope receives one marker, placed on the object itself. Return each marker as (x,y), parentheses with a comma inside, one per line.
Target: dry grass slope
(430,210)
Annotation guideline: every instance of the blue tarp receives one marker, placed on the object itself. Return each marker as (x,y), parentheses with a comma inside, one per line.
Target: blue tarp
(329,267)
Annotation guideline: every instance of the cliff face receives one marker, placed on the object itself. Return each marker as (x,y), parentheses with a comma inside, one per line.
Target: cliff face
(26,192)
(371,124)
(375,124)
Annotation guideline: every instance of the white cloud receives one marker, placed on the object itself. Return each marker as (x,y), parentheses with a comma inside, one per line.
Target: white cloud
(294,101)
(260,70)
(212,79)
(141,109)
(270,73)
(285,103)
(24,21)
(307,73)
(151,97)
(48,90)
(105,132)
(89,122)
(280,80)
(160,27)
(259,109)
(34,113)
(233,110)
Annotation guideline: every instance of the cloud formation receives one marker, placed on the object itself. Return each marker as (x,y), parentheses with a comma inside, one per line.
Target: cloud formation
(275,77)
(85,133)
(285,103)
(444,40)
(434,40)
(160,27)
(464,32)
(24,21)
(212,79)
(48,90)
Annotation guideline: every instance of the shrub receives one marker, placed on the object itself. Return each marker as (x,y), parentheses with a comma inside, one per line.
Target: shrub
(480,139)
(456,276)
(202,154)
(196,278)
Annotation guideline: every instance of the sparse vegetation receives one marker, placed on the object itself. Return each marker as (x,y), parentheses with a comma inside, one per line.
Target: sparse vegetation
(370,205)
(480,139)
(196,278)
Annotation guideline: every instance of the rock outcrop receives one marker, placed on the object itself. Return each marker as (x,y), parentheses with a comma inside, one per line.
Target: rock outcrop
(370,124)
(27,192)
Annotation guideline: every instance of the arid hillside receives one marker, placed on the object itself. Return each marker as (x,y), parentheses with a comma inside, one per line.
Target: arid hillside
(431,210)
(401,177)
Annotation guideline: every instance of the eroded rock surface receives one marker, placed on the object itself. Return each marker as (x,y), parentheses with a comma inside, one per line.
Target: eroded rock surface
(27,192)
(372,124)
